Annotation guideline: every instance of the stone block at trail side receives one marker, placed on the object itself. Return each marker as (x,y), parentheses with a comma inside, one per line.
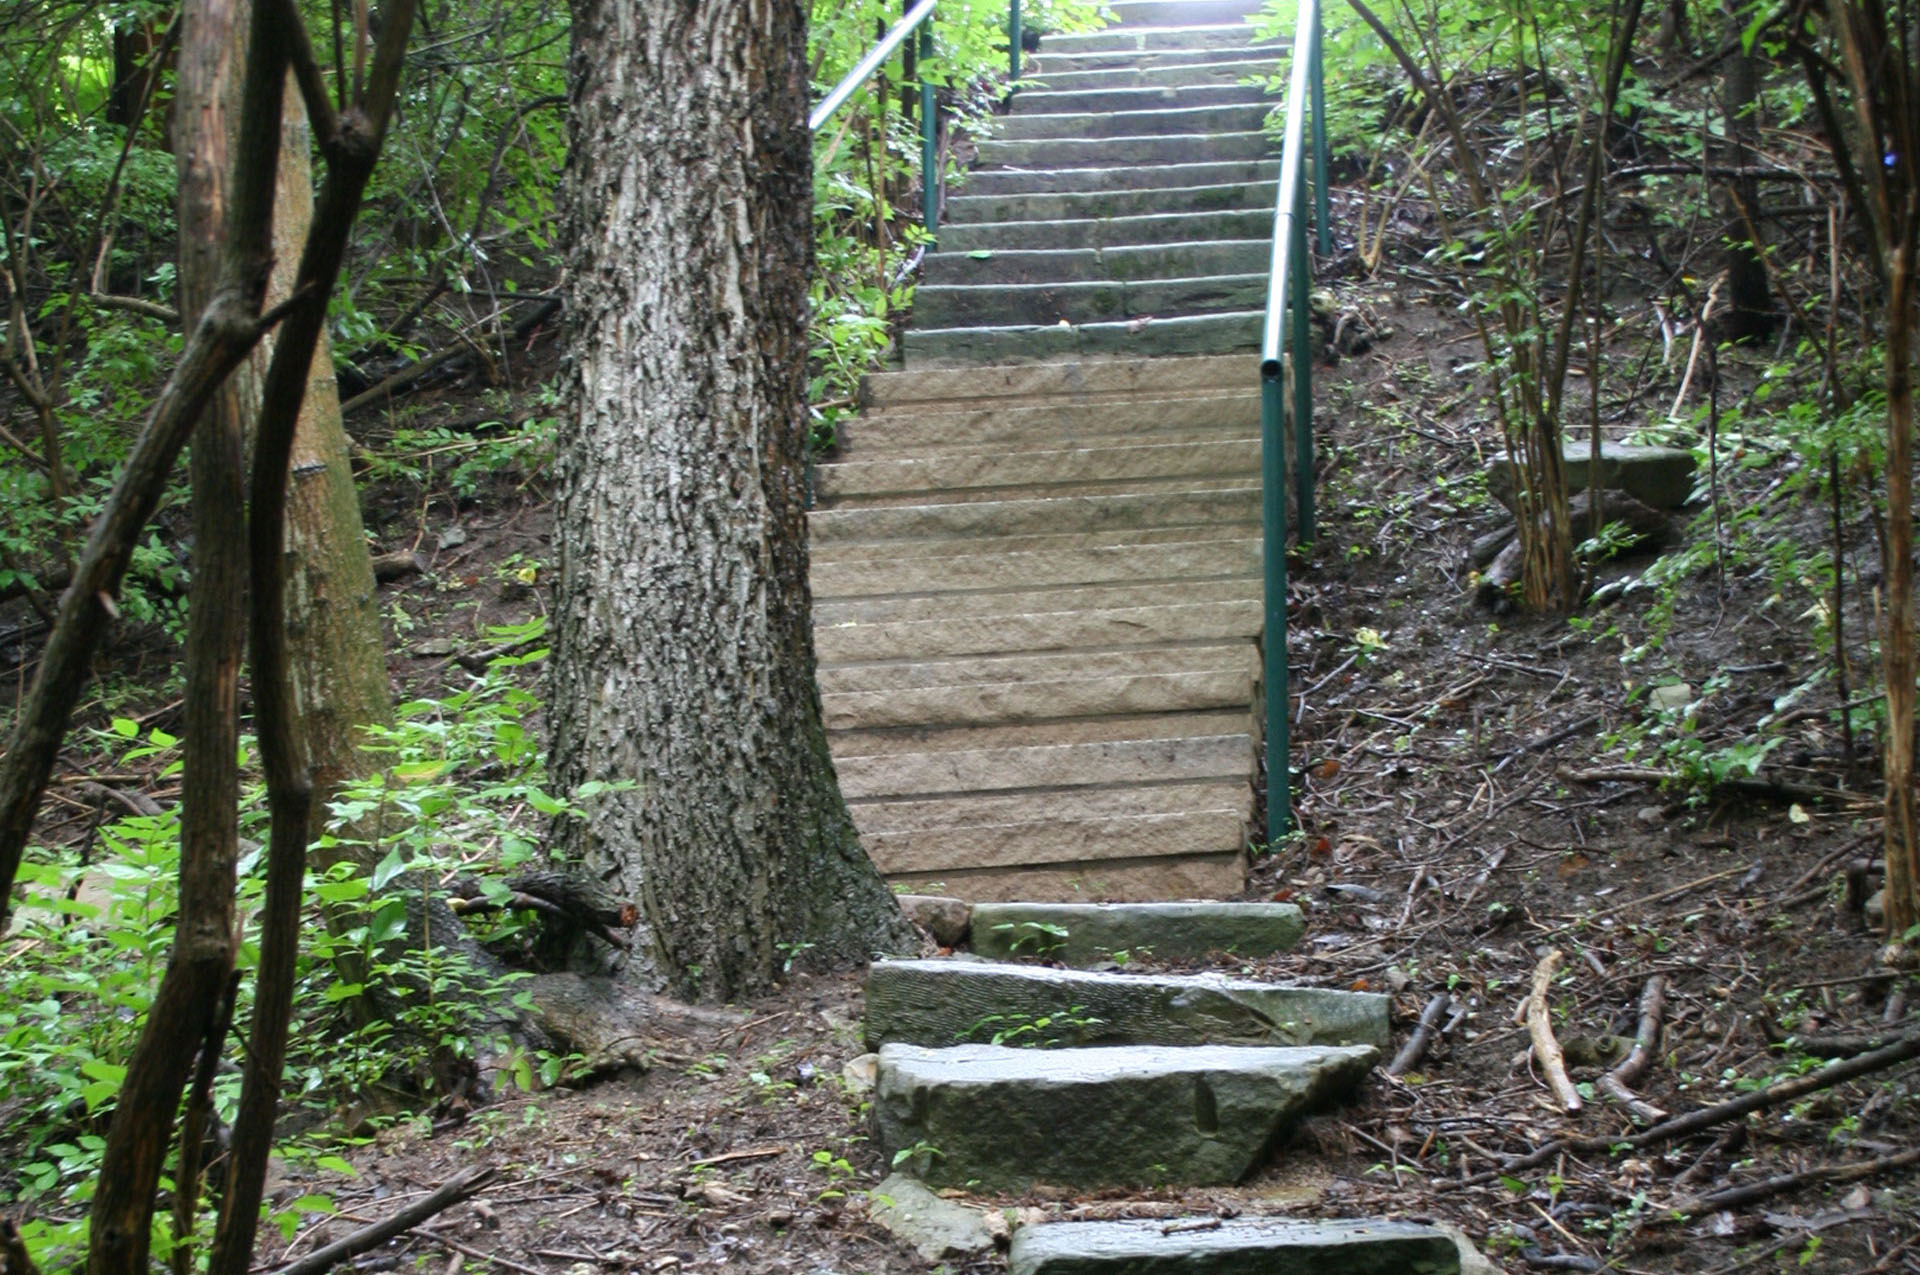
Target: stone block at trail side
(1089,933)
(1137,1115)
(1237,1246)
(951,1001)
(1659,477)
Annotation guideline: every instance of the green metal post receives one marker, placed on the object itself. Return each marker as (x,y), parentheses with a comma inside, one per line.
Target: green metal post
(1013,40)
(1300,364)
(1322,199)
(929,136)
(1273,519)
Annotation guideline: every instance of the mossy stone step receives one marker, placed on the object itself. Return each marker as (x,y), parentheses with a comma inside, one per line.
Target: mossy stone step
(1225,333)
(1658,477)
(1089,933)
(1235,1246)
(946,1001)
(1134,1115)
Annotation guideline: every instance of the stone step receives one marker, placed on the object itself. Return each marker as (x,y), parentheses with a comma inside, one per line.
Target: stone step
(1234,331)
(1002,766)
(1207,258)
(1025,517)
(1065,78)
(1214,559)
(979,551)
(1086,933)
(1099,233)
(1005,470)
(1018,386)
(1090,301)
(1134,39)
(1008,605)
(1054,181)
(1152,420)
(1136,1115)
(965,634)
(943,1001)
(981,690)
(973,210)
(1051,101)
(1230,118)
(1235,51)
(1140,729)
(985,811)
(1168,876)
(1058,839)
(1159,148)
(1175,13)
(1234,1246)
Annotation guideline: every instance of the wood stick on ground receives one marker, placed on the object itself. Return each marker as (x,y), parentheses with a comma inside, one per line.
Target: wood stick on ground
(1693,1122)
(1540,1028)
(451,1192)
(1766,1188)
(1618,1083)
(1416,1047)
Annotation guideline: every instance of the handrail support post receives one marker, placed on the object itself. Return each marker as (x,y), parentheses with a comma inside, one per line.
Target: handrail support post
(1013,40)
(1273,520)
(929,138)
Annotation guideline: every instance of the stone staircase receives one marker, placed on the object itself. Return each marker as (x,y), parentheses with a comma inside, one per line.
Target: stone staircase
(1138,1081)
(1037,558)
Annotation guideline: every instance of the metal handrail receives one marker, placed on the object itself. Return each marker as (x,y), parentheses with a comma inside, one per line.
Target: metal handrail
(914,19)
(1288,316)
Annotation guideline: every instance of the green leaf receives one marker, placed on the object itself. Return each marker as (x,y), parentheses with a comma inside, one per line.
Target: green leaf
(981,254)
(388,868)
(334,1164)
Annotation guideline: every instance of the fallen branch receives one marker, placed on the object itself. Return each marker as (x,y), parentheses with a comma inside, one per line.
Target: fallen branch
(1752,1192)
(1546,1050)
(1618,1083)
(1694,1122)
(455,1189)
(1416,1047)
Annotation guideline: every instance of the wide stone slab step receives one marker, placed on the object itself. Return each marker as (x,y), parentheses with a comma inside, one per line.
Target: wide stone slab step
(1177,96)
(1658,477)
(1223,333)
(998,760)
(1089,933)
(965,633)
(956,472)
(1071,181)
(1128,263)
(1229,47)
(1090,152)
(1153,37)
(1235,1246)
(1118,379)
(1099,233)
(977,210)
(1233,413)
(1100,301)
(1145,690)
(1055,840)
(1228,556)
(1176,13)
(1003,1118)
(1199,508)
(853,614)
(1064,78)
(1235,117)
(939,1002)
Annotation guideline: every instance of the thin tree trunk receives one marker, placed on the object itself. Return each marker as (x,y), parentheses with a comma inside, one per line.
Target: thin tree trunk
(1902,828)
(201,958)
(1750,313)
(683,653)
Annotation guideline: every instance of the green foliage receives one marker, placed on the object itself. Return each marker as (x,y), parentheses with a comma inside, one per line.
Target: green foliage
(1033,1031)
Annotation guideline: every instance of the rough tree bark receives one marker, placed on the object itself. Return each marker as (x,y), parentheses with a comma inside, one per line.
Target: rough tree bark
(683,650)
(1748,314)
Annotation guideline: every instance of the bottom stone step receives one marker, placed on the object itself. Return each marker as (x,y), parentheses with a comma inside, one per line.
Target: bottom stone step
(1140,1115)
(1089,933)
(1239,1246)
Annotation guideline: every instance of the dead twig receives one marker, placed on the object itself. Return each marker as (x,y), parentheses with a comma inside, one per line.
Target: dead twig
(1546,1050)
(1618,1083)
(1752,1192)
(451,1192)
(1709,1117)
(1416,1047)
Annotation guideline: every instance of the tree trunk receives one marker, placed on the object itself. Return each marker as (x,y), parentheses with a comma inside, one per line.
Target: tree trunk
(201,958)
(1748,313)
(683,648)
(1902,828)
